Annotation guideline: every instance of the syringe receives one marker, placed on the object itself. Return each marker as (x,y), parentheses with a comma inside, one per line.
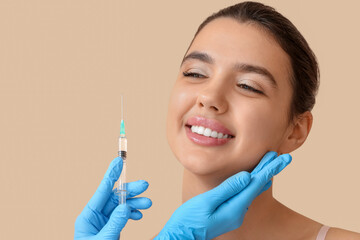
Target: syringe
(121,188)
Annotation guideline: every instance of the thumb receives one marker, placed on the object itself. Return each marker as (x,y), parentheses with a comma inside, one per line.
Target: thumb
(227,189)
(116,223)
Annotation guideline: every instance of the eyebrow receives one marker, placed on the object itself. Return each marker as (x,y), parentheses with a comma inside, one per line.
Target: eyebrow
(241,67)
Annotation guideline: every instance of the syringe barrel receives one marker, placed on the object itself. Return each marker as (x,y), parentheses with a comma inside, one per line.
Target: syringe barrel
(122,144)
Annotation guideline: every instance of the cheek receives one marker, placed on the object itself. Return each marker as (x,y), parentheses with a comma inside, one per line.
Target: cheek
(264,126)
(260,129)
(181,100)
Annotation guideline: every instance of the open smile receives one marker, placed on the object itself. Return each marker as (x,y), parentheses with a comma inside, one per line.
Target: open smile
(207,132)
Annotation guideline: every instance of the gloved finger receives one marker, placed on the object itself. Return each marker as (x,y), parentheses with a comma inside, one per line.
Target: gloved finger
(266,187)
(273,168)
(111,204)
(227,189)
(259,180)
(268,157)
(136,215)
(133,203)
(241,201)
(139,203)
(104,191)
(134,189)
(116,223)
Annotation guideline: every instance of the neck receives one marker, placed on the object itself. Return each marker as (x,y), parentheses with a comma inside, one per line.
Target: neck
(258,216)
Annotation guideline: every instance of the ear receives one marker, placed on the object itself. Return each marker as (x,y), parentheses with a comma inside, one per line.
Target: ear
(297,133)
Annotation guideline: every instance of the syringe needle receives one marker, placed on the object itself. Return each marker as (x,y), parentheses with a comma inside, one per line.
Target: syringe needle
(122,107)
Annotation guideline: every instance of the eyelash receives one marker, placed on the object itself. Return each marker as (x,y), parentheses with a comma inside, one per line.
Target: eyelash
(194,75)
(243,86)
(249,88)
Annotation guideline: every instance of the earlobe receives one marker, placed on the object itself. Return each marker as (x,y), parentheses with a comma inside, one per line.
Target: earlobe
(298,133)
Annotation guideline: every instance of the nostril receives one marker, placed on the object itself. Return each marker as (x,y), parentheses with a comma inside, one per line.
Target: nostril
(215,108)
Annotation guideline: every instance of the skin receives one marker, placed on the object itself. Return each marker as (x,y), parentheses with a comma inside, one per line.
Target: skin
(259,122)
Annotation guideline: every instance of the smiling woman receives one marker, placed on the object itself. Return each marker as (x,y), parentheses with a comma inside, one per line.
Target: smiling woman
(246,86)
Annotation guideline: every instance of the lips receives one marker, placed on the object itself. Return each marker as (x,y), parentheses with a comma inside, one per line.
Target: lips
(207,123)
(213,124)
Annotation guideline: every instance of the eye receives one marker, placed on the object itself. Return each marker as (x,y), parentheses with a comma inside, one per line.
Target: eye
(249,88)
(193,74)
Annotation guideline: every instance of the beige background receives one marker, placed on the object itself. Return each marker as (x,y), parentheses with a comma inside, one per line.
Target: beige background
(62,67)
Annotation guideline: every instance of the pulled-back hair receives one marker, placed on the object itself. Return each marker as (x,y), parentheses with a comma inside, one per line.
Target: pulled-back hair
(305,71)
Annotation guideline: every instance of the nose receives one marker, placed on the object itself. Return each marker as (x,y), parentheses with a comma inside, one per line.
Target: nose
(212,99)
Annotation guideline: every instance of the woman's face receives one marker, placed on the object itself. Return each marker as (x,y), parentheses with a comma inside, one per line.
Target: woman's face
(234,80)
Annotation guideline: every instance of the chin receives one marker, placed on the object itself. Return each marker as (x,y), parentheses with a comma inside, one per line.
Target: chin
(202,165)
(198,167)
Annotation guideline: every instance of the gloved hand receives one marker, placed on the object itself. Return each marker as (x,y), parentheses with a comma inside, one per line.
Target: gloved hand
(103,218)
(223,208)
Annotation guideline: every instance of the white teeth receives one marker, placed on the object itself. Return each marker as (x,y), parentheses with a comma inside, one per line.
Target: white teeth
(200,130)
(194,128)
(208,132)
(214,134)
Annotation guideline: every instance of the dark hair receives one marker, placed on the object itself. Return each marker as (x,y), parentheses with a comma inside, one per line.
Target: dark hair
(305,70)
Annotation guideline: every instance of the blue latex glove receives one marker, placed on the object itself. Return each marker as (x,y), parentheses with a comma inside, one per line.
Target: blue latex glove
(103,218)
(223,208)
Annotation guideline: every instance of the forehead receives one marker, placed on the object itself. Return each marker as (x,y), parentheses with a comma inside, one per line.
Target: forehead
(229,41)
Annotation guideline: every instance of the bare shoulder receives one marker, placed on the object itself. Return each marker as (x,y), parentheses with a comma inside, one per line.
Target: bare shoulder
(338,233)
